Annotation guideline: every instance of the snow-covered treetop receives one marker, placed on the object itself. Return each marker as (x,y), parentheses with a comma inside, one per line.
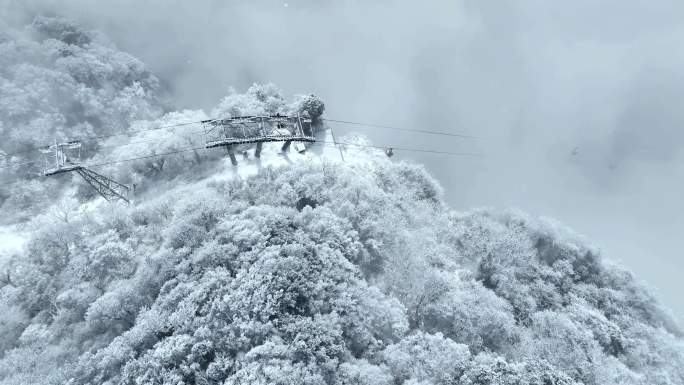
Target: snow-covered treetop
(260,100)
(58,82)
(324,273)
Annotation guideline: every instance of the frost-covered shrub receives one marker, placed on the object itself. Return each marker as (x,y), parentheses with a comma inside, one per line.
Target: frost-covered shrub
(491,370)
(234,283)
(361,372)
(62,30)
(474,316)
(308,105)
(60,82)
(426,357)
(259,100)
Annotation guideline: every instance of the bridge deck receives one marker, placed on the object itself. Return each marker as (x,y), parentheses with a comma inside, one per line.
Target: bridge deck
(62,170)
(259,139)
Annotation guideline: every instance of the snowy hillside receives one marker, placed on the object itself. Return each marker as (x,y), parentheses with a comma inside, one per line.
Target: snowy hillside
(297,269)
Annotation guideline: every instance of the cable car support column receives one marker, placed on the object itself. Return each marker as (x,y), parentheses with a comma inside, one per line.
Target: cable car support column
(332,132)
(107,188)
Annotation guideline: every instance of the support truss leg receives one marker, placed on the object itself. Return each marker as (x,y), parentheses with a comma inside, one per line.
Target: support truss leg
(332,132)
(233,159)
(257,152)
(286,146)
(109,189)
(231,154)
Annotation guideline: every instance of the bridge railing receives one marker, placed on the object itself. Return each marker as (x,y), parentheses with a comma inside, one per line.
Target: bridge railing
(257,129)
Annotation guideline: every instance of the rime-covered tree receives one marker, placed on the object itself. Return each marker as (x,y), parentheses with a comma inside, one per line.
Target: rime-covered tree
(237,283)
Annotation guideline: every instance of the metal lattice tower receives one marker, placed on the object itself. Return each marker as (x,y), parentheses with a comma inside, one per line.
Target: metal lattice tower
(67,158)
(233,132)
(109,189)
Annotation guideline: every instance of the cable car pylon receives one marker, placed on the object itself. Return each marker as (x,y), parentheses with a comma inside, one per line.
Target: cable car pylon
(67,158)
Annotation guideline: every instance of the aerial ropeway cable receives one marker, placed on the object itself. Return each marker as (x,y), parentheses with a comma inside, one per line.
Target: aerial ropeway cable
(389,149)
(430,132)
(99,137)
(231,133)
(204,122)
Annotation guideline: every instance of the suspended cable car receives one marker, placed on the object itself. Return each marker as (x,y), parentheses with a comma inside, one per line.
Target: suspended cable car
(389,151)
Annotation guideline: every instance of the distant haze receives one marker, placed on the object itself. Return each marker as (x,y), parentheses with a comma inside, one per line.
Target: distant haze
(578,105)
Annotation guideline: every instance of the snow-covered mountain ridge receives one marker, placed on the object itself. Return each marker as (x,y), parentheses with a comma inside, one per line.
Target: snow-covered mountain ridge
(303,269)
(324,273)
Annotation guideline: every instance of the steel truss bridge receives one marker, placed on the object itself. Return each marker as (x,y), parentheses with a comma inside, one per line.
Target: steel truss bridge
(233,132)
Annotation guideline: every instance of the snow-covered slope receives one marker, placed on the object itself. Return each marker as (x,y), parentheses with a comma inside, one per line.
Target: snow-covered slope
(11,241)
(324,273)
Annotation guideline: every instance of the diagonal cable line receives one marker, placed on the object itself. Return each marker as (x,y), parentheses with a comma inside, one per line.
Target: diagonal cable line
(188,149)
(94,138)
(323,143)
(125,133)
(400,148)
(414,149)
(111,146)
(401,128)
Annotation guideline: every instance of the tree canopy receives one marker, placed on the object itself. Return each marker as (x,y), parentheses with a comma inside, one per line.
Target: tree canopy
(376,282)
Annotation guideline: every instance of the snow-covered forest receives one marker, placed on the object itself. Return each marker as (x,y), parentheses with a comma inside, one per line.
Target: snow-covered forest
(310,271)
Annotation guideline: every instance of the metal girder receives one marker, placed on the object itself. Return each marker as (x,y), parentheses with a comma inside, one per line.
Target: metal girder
(66,157)
(109,189)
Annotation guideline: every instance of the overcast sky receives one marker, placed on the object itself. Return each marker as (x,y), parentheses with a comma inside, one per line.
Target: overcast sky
(577,104)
